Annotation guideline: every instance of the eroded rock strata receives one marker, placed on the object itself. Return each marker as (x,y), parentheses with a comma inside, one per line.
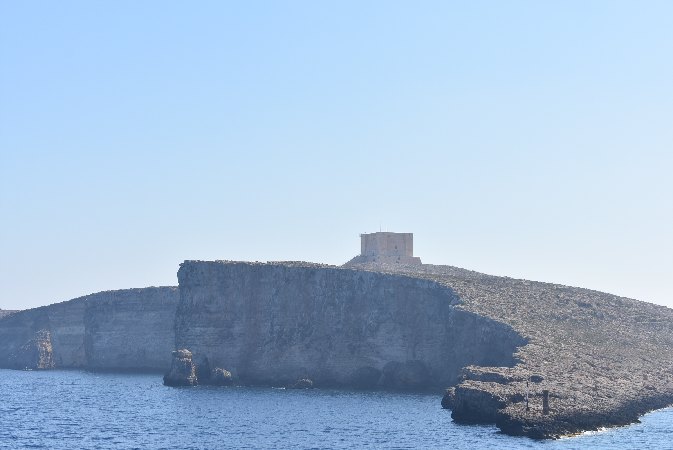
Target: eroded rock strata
(605,360)
(131,329)
(35,354)
(126,329)
(276,323)
(63,321)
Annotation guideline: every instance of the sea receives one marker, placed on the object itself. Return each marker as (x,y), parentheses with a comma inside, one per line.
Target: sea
(77,409)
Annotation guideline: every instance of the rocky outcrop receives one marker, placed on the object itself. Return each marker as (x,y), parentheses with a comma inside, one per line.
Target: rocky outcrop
(63,321)
(449,399)
(302,383)
(473,405)
(603,359)
(128,329)
(183,370)
(220,377)
(278,322)
(35,354)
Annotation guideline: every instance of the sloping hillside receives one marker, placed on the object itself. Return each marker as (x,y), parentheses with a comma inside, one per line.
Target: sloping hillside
(604,359)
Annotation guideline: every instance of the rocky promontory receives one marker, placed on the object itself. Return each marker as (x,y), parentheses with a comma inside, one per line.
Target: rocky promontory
(603,360)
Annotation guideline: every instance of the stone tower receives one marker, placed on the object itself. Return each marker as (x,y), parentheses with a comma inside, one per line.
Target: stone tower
(386,247)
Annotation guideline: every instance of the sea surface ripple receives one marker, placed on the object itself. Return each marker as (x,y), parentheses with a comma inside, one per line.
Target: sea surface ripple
(76,409)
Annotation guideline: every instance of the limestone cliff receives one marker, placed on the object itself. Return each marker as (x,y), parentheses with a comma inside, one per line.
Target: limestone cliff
(125,329)
(131,329)
(278,322)
(5,312)
(37,353)
(63,321)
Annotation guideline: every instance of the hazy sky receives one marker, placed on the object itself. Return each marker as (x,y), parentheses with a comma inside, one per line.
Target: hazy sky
(522,138)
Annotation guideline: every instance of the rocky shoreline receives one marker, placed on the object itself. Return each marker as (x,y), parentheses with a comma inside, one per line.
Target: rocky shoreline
(536,359)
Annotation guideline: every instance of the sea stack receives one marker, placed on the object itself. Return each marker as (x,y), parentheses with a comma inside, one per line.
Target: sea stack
(183,370)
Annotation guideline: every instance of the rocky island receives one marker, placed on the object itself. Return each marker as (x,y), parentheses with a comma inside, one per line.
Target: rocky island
(536,359)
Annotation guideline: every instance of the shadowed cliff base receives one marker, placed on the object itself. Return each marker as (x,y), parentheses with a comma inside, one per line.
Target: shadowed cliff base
(276,323)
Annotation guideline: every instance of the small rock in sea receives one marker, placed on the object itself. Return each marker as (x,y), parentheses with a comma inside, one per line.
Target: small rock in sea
(302,383)
(220,377)
(449,398)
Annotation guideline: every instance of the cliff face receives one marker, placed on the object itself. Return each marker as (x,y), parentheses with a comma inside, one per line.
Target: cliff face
(129,329)
(5,312)
(278,322)
(63,323)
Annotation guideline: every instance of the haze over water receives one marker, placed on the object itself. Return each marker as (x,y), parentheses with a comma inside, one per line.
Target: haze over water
(74,409)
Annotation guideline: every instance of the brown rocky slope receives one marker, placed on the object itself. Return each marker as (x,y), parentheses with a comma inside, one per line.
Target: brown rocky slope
(605,360)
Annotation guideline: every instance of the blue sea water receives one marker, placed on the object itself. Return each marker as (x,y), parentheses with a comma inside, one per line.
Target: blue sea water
(73,409)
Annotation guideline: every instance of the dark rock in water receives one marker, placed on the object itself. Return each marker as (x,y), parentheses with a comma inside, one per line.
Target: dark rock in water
(473,405)
(37,353)
(302,383)
(220,377)
(449,398)
(407,375)
(183,370)
(365,377)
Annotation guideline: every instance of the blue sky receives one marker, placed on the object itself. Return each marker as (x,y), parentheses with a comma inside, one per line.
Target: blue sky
(523,138)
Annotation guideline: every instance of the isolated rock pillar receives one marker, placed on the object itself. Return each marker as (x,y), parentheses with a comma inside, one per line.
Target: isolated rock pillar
(183,370)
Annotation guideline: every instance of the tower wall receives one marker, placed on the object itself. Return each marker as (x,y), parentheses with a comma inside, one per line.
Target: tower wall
(387,244)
